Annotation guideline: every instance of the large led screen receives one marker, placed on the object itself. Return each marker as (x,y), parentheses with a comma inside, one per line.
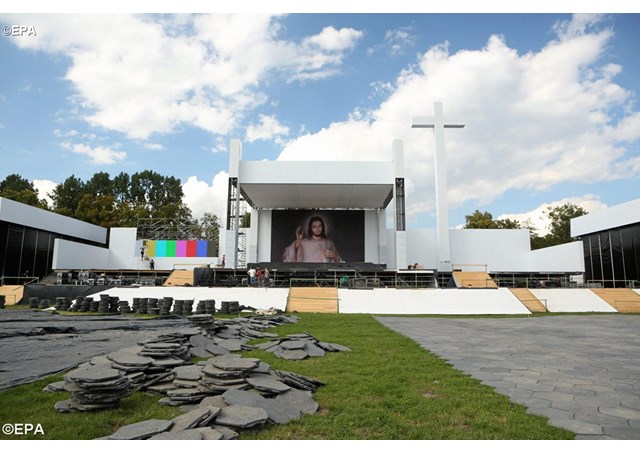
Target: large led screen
(306,236)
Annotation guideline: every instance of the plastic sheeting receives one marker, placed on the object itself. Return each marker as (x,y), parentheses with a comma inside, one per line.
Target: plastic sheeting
(52,291)
(36,344)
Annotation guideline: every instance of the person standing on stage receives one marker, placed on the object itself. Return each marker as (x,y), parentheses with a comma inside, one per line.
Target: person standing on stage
(252,277)
(258,276)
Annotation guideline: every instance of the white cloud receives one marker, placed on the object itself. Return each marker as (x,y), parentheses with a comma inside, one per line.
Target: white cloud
(532,120)
(538,218)
(100,155)
(200,70)
(399,39)
(203,197)
(45,188)
(334,40)
(269,128)
(153,146)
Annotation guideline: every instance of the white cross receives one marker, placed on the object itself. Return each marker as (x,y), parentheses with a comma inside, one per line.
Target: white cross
(437,123)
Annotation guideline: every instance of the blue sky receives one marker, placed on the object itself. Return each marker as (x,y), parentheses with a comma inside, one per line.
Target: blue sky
(550,101)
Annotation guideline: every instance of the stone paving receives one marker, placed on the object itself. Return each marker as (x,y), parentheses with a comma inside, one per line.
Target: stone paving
(581,372)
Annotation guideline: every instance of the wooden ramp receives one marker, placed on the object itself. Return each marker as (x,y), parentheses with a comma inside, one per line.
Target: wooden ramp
(473,280)
(529,300)
(312,300)
(12,293)
(179,277)
(624,300)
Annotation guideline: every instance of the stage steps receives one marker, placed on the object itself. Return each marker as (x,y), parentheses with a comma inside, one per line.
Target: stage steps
(624,300)
(180,277)
(312,300)
(529,300)
(12,293)
(473,280)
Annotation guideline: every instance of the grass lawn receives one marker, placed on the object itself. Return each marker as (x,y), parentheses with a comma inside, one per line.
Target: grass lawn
(387,388)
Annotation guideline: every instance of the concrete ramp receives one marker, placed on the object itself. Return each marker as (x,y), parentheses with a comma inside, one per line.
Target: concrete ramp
(530,301)
(473,280)
(180,277)
(624,300)
(569,300)
(430,301)
(259,298)
(12,293)
(313,300)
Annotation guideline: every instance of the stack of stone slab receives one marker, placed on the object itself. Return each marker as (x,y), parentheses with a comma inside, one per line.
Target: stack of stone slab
(203,321)
(152,306)
(63,303)
(229,307)
(44,303)
(34,302)
(300,347)
(206,306)
(123,307)
(135,367)
(177,307)
(94,388)
(142,305)
(104,304)
(165,306)
(227,372)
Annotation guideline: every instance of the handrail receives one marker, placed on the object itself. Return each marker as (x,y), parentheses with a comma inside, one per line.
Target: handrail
(599,283)
(28,280)
(454,266)
(485,280)
(334,281)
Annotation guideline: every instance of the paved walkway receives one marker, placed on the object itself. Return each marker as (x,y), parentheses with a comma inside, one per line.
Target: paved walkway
(581,372)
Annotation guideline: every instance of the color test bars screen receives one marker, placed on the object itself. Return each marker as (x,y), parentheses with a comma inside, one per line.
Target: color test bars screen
(172,249)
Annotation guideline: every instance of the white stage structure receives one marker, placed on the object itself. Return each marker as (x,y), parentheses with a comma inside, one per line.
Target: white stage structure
(378,190)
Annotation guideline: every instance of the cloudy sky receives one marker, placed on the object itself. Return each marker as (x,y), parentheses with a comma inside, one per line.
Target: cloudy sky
(550,101)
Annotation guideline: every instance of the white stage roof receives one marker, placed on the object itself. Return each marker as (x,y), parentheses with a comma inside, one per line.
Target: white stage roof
(317,185)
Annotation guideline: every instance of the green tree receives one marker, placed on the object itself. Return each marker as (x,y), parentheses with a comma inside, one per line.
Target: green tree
(99,210)
(209,228)
(245,221)
(99,184)
(121,185)
(67,195)
(509,224)
(16,188)
(479,221)
(560,217)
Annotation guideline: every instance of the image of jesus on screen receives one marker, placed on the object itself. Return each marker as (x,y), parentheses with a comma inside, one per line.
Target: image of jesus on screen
(312,245)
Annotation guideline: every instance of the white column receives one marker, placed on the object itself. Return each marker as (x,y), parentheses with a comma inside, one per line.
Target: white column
(437,123)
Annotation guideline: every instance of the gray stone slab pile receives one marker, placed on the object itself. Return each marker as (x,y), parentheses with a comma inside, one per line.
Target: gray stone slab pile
(300,347)
(94,388)
(218,396)
(263,398)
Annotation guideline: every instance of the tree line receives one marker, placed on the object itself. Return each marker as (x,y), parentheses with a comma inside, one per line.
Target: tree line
(116,202)
(122,200)
(559,219)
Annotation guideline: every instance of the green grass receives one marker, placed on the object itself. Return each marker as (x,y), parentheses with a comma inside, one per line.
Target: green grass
(388,387)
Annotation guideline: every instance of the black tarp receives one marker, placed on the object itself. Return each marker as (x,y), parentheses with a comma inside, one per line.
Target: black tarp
(35,344)
(52,291)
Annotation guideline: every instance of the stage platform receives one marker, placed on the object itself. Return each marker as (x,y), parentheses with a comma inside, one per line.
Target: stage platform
(453,301)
